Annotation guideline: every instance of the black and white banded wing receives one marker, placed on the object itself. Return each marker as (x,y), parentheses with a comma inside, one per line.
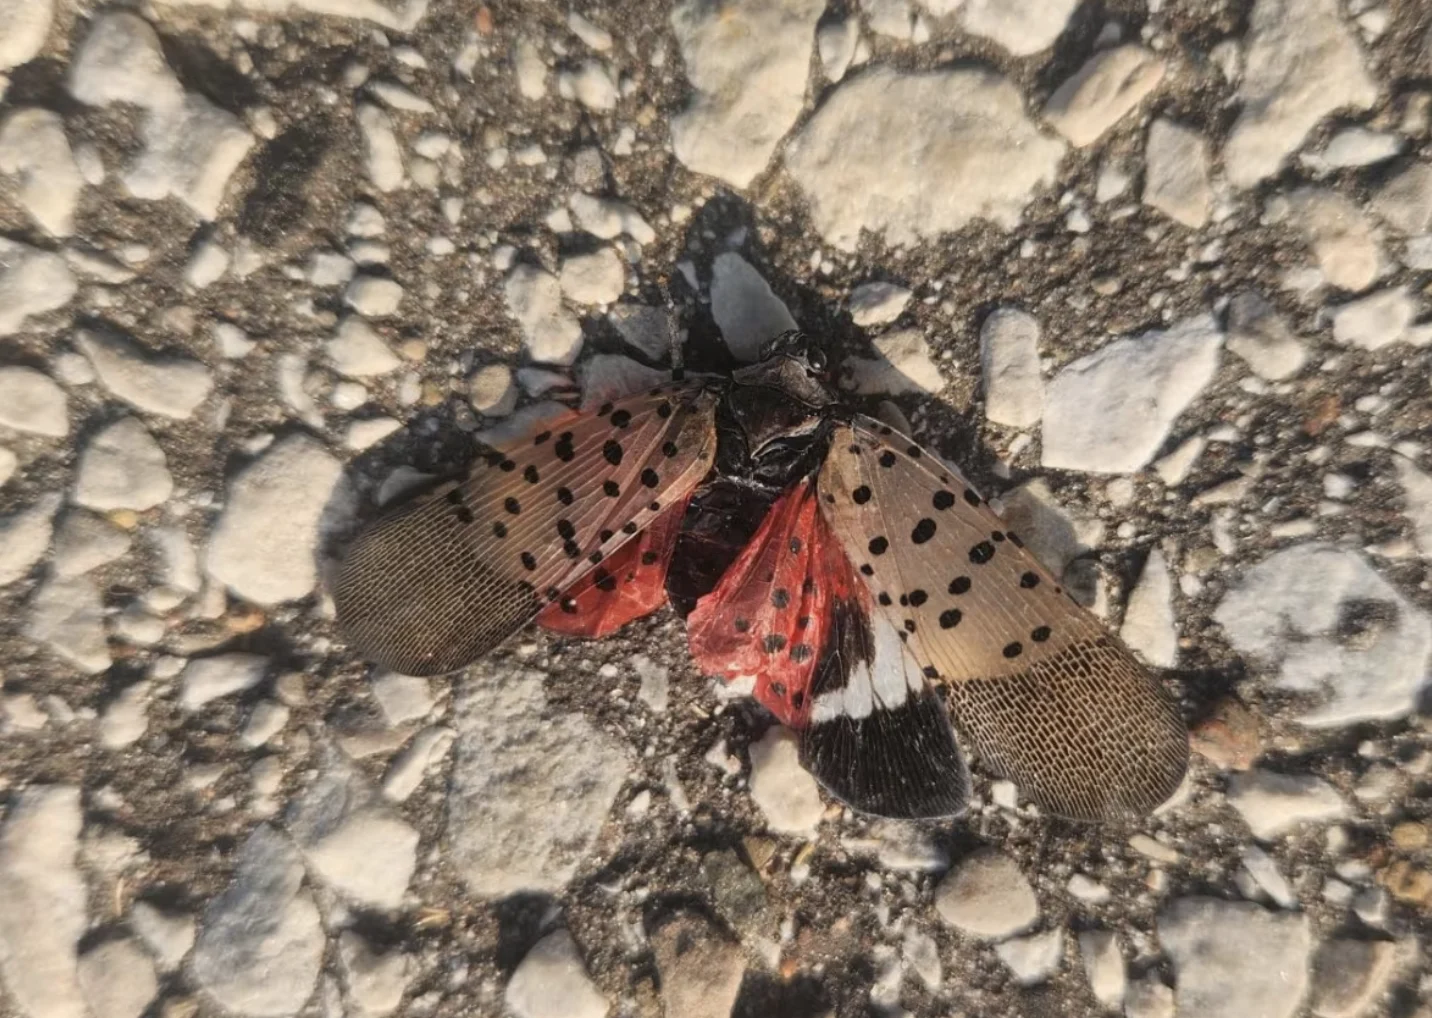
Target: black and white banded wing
(442,580)
(1047,695)
(878,737)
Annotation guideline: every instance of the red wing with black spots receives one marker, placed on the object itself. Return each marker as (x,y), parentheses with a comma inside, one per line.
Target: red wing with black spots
(444,579)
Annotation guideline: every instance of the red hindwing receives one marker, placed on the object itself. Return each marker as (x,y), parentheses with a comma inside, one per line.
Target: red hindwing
(629,584)
(769,617)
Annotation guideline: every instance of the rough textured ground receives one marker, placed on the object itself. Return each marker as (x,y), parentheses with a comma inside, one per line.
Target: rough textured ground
(1155,273)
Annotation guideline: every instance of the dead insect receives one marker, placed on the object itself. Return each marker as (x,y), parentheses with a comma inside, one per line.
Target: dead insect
(866,589)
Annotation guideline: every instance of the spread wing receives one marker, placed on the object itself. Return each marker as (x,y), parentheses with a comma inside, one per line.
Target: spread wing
(444,579)
(790,614)
(1048,696)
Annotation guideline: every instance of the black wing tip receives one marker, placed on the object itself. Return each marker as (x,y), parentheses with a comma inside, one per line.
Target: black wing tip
(901,763)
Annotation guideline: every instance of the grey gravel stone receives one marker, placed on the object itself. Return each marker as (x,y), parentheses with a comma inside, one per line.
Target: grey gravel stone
(117,979)
(514,756)
(1262,337)
(987,896)
(1009,367)
(260,945)
(122,467)
(1375,321)
(31,401)
(552,982)
(877,303)
(1301,62)
(1273,804)
(264,544)
(746,310)
(971,124)
(1349,976)
(357,351)
(168,935)
(168,386)
(784,791)
(86,541)
(1020,26)
(1103,92)
(1340,235)
(32,282)
(1233,959)
(1404,200)
(209,678)
(747,62)
(39,842)
(552,333)
(1033,958)
(25,537)
(597,277)
(68,617)
(34,148)
(701,971)
(1176,174)
(375,980)
(902,365)
(1109,412)
(27,23)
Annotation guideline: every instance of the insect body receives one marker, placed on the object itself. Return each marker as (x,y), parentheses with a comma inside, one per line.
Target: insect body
(868,592)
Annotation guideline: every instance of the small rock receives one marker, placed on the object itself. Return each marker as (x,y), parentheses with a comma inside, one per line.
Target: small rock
(122,467)
(514,756)
(1272,804)
(25,537)
(261,945)
(1009,363)
(9,463)
(117,978)
(986,896)
(591,85)
(552,333)
(903,365)
(1320,620)
(1375,321)
(1111,411)
(552,982)
(1023,27)
(428,748)
(655,689)
(1148,998)
(121,61)
(31,401)
(125,720)
(373,296)
(746,310)
(384,153)
(1234,958)
(352,839)
(1053,535)
(1104,967)
(1357,146)
(86,541)
(33,147)
(1228,738)
(1302,62)
(1404,201)
(68,617)
(1350,976)
(1262,337)
(265,721)
(282,496)
(649,329)
(970,123)
(1260,866)
(169,935)
(1034,958)
(32,282)
(1176,177)
(595,278)
(27,24)
(1103,92)
(39,880)
(1149,625)
(530,69)
(877,303)
(701,971)
(168,386)
(402,698)
(747,61)
(492,392)
(607,218)
(209,678)
(191,149)
(369,432)
(835,42)
(1340,235)
(206,265)
(232,342)
(357,351)
(785,792)
(375,980)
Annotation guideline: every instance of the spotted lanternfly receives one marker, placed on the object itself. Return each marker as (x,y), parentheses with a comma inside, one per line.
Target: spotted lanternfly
(868,592)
